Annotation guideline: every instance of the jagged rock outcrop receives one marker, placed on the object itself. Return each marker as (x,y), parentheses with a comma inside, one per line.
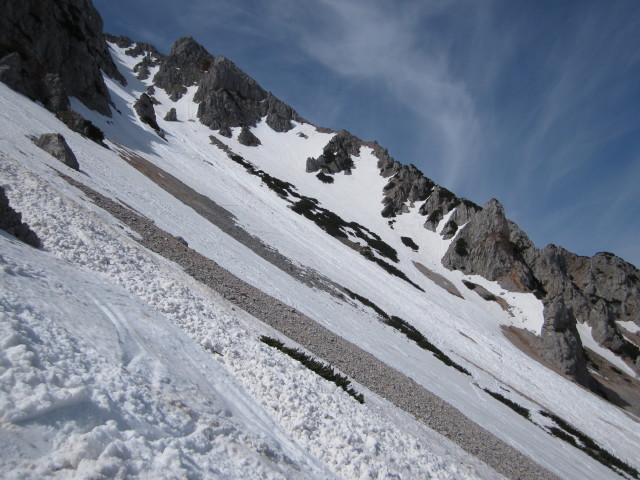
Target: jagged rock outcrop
(11,222)
(225,132)
(228,97)
(56,146)
(246,137)
(50,51)
(336,155)
(408,185)
(171,116)
(598,291)
(484,247)
(185,65)
(146,111)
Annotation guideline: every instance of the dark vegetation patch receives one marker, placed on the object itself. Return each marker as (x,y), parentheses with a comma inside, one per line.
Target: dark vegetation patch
(328,221)
(319,368)
(282,188)
(366,253)
(483,292)
(365,301)
(461,247)
(519,409)
(408,241)
(414,334)
(324,178)
(581,441)
(408,331)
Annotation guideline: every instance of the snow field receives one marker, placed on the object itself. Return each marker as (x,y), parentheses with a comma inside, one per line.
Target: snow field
(365,446)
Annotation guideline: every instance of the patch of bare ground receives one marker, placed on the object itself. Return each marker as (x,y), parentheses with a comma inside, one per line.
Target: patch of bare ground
(438,279)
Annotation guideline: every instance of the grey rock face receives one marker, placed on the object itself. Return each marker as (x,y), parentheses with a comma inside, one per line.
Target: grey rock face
(483,246)
(228,97)
(145,110)
(185,65)
(55,145)
(247,138)
(52,50)
(560,342)
(598,291)
(336,155)
(225,132)
(11,222)
(171,116)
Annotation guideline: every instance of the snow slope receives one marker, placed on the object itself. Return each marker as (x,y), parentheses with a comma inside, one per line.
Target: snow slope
(293,425)
(108,373)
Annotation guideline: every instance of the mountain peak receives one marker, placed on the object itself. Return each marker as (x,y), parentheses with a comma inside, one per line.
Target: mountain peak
(185,65)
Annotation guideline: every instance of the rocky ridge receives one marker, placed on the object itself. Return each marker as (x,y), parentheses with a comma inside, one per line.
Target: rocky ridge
(598,291)
(50,51)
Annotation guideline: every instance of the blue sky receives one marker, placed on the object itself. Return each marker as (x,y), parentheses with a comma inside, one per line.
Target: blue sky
(533,102)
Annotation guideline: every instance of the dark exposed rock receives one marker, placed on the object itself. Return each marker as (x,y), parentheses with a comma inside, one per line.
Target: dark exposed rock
(489,251)
(81,125)
(171,116)
(11,222)
(185,65)
(336,155)
(246,137)
(408,185)
(56,146)
(145,110)
(225,132)
(228,97)
(560,342)
(598,291)
(50,51)
(279,114)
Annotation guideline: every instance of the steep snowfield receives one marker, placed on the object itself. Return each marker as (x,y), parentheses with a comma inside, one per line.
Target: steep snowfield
(301,424)
(110,373)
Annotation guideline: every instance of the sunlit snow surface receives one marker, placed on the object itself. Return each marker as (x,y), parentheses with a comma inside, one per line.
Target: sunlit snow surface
(286,406)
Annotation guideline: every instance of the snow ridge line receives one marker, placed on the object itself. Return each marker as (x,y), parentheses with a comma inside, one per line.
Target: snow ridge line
(360,365)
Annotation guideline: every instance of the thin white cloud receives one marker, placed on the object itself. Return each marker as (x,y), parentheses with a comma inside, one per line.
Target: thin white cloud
(384,43)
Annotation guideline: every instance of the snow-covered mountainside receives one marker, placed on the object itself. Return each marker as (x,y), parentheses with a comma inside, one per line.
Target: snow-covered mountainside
(199,239)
